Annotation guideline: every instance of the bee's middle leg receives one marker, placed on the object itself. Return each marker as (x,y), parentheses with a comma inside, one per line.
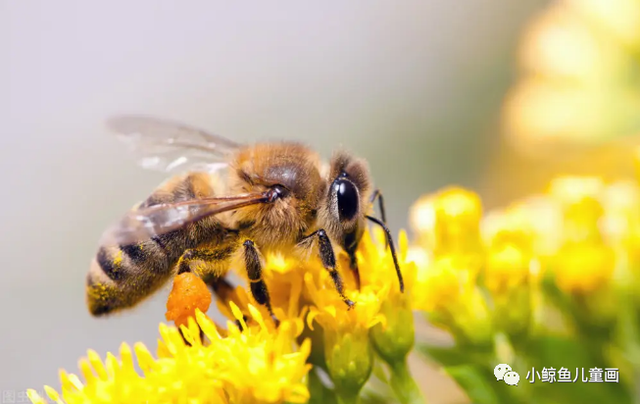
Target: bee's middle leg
(328,258)
(256,283)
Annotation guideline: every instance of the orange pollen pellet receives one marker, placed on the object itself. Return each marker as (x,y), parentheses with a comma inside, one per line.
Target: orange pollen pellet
(189,293)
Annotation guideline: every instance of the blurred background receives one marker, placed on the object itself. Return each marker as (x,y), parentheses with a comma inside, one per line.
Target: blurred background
(417,88)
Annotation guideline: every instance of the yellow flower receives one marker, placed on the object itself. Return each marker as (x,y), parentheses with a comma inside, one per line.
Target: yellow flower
(579,235)
(448,227)
(584,262)
(453,302)
(348,354)
(580,202)
(381,318)
(446,282)
(258,365)
(441,285)
(518,242)
(508,266)
(393,338)
(447,221)
(284,277)
(457,224)
(583,268)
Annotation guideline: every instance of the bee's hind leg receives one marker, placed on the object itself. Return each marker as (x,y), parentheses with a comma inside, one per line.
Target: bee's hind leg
(199,254)
(328,258)
(254,271)
(218,284)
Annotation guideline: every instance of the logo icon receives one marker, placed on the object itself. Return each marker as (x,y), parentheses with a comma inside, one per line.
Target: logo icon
(505,373)
(500,370)
(511,378)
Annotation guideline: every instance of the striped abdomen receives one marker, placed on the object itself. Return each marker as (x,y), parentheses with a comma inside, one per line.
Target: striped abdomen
(121,276)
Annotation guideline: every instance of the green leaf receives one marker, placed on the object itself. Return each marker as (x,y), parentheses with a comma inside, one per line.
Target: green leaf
(370,397)
(559,351)
(454,356)
(476,386)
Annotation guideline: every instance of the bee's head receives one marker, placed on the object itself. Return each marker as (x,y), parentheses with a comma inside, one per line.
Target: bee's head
(346,207)
(347,200)
(289,174)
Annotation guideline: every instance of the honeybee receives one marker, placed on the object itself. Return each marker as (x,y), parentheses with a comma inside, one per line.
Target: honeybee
(228,199)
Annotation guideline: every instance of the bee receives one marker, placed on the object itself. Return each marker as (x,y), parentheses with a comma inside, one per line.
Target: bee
(224,199)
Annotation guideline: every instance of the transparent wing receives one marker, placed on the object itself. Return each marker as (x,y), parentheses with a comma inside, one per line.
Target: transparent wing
(145,223)
(168,146)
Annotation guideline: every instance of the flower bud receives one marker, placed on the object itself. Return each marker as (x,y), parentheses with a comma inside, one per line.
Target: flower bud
(457,222)
(349,358)
(393,339)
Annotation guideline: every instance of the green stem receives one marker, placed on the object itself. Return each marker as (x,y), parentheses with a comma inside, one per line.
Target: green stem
(348,397)
(320,394)
(404,385)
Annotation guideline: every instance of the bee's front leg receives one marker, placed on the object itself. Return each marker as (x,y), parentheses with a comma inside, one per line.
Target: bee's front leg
(328,258)
(377,194)
(351,249)
(388,241)
(254,271)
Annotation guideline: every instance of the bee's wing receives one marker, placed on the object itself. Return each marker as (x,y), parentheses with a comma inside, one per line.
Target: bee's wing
(143,224)
(169,146)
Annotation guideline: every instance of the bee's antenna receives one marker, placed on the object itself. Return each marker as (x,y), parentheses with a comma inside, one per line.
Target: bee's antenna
(393,249)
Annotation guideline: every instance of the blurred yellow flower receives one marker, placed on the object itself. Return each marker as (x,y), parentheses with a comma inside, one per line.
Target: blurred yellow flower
(446,281)
(584,267)
(574,107)
(580,235)
(508,266)
(580,79)
(583,262)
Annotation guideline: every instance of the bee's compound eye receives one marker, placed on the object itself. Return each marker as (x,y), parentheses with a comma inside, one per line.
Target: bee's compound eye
(347,196)
(280,190)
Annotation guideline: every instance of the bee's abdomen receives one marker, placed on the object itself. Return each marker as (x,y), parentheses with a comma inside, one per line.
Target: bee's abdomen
(122,276)
(109,265)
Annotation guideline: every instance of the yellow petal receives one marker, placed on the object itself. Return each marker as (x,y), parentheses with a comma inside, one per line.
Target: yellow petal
(53,394)
(35,397)
(145,359)
(96,363)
